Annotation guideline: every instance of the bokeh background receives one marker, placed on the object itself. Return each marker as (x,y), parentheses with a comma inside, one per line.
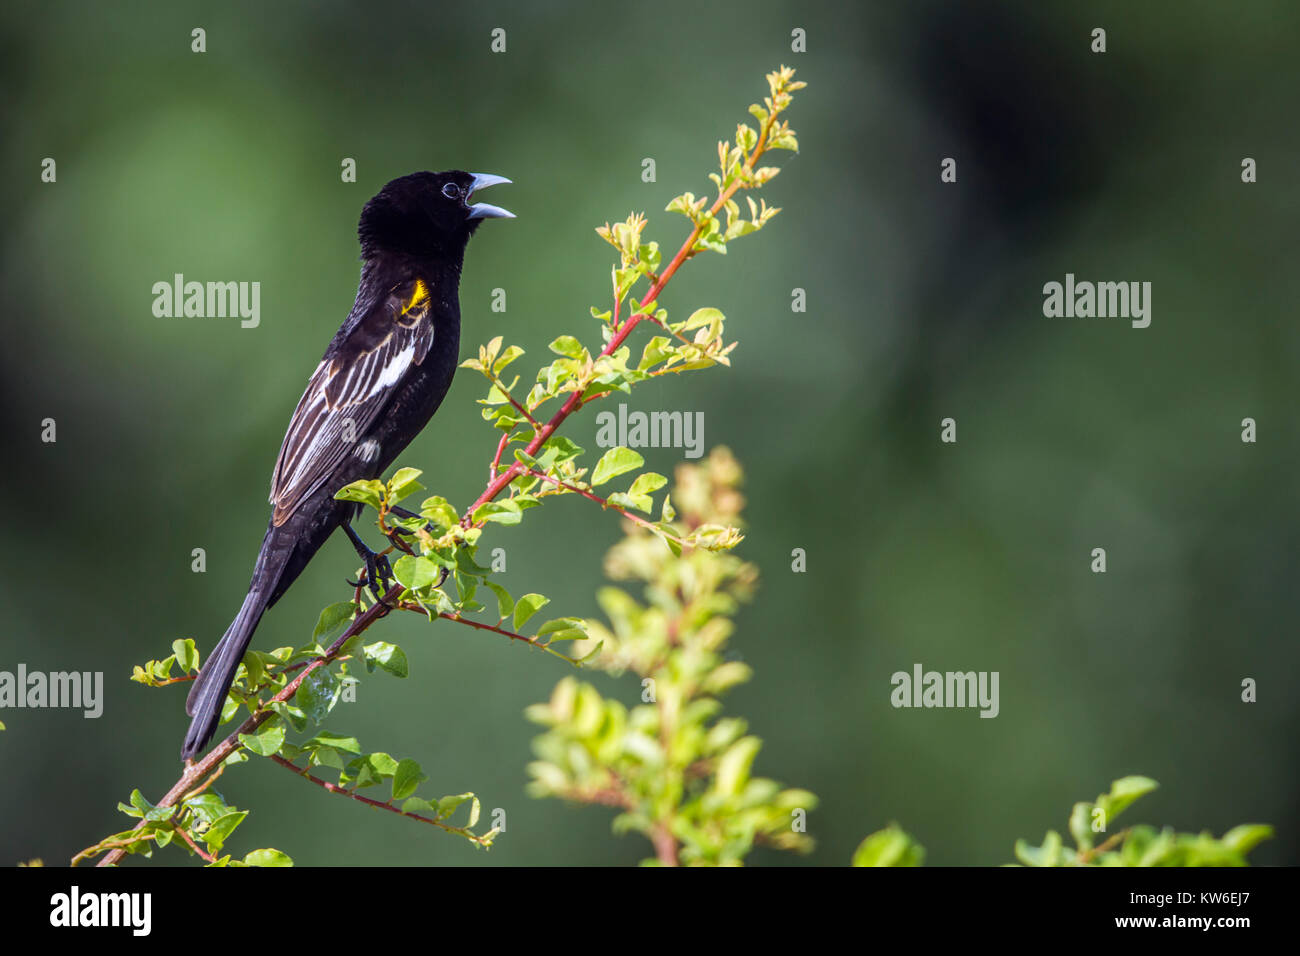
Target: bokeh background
(924,301)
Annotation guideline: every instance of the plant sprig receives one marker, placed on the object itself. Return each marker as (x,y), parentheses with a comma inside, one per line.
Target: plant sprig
(437,573)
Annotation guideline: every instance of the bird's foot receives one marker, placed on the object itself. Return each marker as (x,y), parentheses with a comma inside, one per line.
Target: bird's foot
(378,577)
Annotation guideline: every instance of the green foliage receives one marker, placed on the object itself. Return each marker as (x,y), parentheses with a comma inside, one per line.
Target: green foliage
(206,820)
(200,824)
(677,769)
(680,772)
(290,692)
(889,847)
(1140,845)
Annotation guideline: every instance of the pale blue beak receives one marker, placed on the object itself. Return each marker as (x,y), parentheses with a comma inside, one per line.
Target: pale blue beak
(482,210)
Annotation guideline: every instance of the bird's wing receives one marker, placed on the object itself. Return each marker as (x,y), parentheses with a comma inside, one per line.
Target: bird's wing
(348,391)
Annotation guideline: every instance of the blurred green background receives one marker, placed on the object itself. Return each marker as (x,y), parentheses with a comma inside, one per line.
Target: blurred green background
(924,301)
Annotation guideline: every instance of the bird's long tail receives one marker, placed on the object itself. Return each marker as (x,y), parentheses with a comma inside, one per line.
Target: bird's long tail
(208,695)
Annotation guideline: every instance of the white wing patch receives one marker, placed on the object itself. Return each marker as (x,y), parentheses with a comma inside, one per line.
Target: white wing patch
(342,400)
(394,370)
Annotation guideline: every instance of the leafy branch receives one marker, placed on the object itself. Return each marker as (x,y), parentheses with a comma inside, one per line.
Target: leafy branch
(679,772)
(1139,845)
(293,688)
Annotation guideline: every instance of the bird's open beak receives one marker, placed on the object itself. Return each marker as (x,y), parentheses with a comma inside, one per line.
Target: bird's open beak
(482,210)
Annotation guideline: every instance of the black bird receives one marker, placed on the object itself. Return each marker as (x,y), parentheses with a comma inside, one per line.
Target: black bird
(380,381)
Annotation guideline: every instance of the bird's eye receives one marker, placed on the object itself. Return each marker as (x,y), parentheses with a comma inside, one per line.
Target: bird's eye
(451,191)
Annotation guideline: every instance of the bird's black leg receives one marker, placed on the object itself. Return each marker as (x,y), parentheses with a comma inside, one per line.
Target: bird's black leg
(404,513)
(394,534)
(379,573)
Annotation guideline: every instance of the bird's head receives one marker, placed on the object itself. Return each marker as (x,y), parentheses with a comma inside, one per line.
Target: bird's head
(427,214)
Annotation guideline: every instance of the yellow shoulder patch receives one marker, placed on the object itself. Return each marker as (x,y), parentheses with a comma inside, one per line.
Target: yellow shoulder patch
(418,297)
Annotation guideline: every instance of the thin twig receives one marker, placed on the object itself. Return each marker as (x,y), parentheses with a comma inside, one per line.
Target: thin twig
(496,459)
(193,846)
(1087,855)
(574,401)
(196,772)
(604,503)
(377,804)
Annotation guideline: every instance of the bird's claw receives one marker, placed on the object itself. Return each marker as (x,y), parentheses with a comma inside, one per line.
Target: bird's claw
(378,577)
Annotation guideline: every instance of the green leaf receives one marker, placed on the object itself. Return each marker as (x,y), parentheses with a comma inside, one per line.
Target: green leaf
(646,483)
(266,740)
(511,353)
(466,564)
(406,778)
(1122,793)
(889,847)
(1242,839)
(415,572)
(324,739)
(439,513)
(615,462)
(702,317)
(638,496)
(146,810)
(567,346)
(1081,825)
(403,484)
(326,757)
(733,766)
(558,449)
(316,696)
(622,499)
(1049,854)
(656,350)
(448,805)
(186,655)
(217,834)
(505,603)
(267,857)
(370,769)
(505,512)
(527,606)
(390,657)
(332,618)
(295,716)
(367,491)
(564,629)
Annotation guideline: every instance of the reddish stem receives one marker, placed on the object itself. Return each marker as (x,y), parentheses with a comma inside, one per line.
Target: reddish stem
(377,804)
(499,484)
(195,772)
(496,459)
(603,502)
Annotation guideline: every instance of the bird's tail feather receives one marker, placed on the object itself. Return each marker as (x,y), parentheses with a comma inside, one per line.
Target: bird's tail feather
(208,695)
